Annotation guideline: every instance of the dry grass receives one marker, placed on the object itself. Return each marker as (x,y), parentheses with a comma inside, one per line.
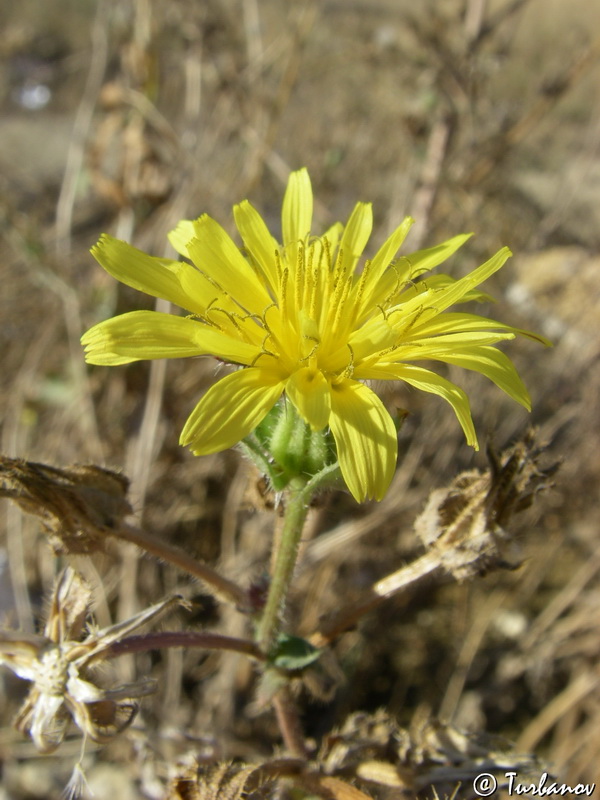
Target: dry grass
(468,115)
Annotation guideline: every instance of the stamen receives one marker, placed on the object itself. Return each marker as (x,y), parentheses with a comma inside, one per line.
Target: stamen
(362,281)
(284,283)
(308,277)
(345,292)
(260,355)
(278,267)
(381,353)
(336,289)
(327,248)
(396,290)
(416,315)
(349,371)
(315,279)
(338,271)
(270,334)
(211,321)
(314,350)
(204,321)
(231,316)
(299,277)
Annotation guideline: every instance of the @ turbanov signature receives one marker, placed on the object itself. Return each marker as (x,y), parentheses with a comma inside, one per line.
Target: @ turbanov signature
(485,784)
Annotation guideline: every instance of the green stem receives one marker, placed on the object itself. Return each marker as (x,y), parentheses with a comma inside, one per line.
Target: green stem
(291,532)
(299,493)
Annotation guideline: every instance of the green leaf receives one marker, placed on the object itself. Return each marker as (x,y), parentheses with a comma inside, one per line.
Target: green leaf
(292,652)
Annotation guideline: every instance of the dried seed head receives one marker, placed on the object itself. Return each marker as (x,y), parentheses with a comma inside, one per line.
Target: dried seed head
(78,505)
(60,666)
(466,522)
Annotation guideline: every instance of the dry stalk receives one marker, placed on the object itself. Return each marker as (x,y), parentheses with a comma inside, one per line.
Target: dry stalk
(464,528)
(81,506)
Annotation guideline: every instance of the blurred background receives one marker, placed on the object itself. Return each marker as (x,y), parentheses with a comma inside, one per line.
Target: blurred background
(469,115)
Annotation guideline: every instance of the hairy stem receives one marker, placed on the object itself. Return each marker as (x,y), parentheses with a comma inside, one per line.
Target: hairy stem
(285,561)
(299,493)
(289,722)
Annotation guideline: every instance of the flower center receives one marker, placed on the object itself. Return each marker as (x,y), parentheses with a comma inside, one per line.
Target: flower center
(51,677)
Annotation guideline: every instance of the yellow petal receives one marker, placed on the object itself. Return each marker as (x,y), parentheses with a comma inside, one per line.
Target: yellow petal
(181,235)
(309,392)
(423,260)
(442,281)
(366,439)
(141,335)
(259,242)
(454,293)
(297,210)
(296,213)
(461,322)
(495,365)
(371,339)
(356,235)
(429,303)
(428,381)
(393,281)
(333,235)
(159,277)
(231,409)
(206,296)
(216,255)
(381,261)
(422,347)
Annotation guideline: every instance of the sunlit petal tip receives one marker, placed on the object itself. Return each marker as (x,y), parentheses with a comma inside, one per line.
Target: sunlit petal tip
(297,209)
(258,241)
(181,235)
(424,260)
(356,235)
(403,229)
(220,260)
(158,277)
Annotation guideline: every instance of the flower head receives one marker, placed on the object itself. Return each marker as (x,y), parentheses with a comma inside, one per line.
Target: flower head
(303,320)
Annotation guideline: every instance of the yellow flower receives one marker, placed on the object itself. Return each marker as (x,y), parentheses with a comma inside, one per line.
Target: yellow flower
(300,318)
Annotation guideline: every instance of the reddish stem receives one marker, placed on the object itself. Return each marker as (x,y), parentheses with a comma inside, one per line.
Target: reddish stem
(162,639)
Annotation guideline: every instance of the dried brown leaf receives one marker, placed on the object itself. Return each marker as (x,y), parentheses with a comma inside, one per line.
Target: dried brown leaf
(78,505)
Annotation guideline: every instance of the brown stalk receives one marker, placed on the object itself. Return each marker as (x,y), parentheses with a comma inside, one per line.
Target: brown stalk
(225,590)
(289,723)
(380,592)
(163,639)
